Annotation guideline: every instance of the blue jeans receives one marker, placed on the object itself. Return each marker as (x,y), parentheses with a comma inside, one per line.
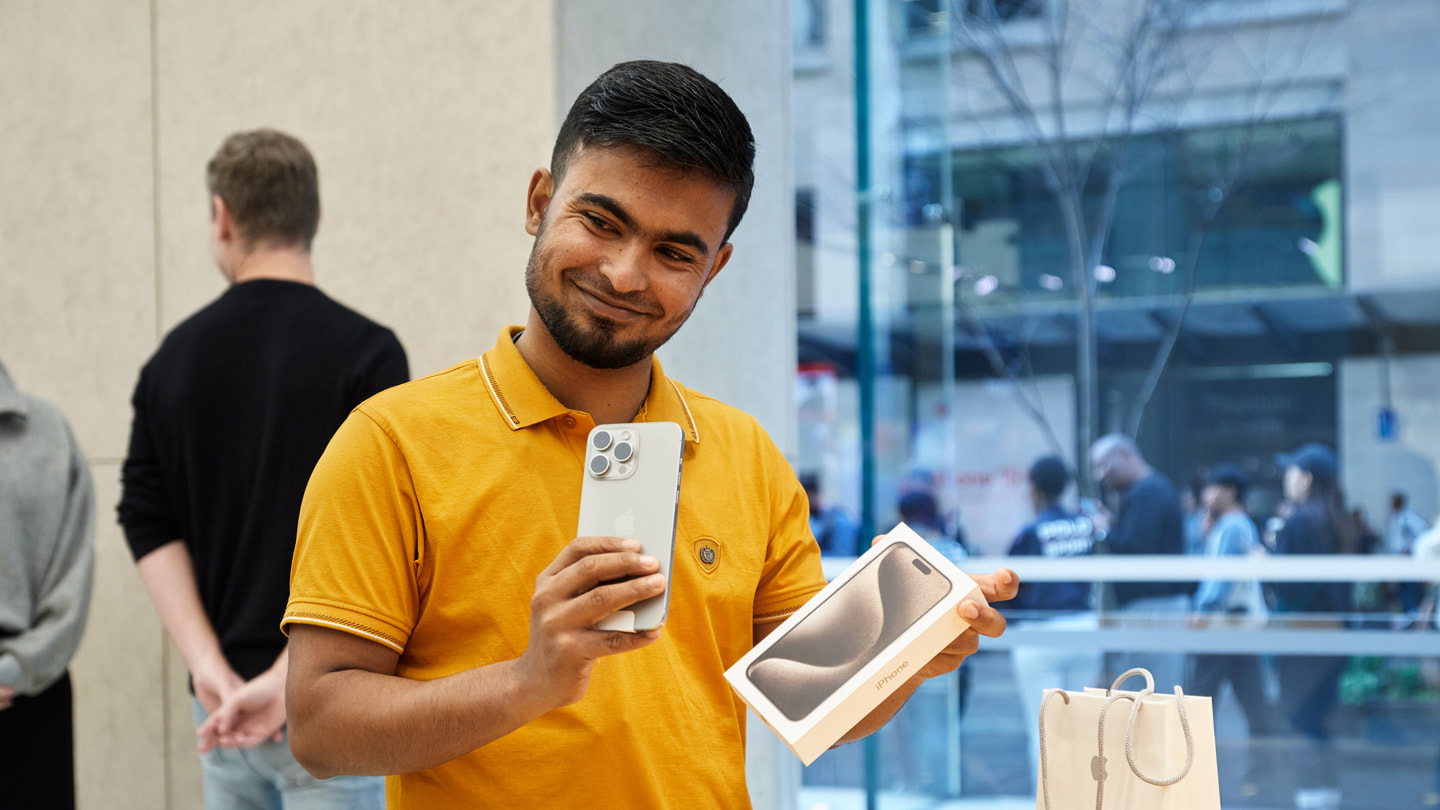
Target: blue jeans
(267,777)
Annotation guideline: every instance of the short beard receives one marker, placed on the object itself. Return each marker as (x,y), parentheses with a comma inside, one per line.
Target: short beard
(597,346)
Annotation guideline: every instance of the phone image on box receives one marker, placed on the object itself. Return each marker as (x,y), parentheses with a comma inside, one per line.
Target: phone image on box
(832,642)
(632,490)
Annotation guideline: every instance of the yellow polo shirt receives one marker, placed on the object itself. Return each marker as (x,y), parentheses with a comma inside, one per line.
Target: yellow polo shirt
(439,502)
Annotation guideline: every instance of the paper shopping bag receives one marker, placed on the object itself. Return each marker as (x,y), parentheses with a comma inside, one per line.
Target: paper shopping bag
(1108,749)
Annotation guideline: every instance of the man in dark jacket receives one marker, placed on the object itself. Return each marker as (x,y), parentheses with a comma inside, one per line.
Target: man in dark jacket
(1149,521)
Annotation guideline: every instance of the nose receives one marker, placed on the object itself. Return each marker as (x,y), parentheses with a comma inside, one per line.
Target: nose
(625,268)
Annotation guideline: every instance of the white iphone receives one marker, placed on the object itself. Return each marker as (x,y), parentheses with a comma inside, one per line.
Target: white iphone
(632,490)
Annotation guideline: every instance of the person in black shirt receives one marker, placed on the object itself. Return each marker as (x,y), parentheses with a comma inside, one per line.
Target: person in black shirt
(1149,521)
(231,414)
(1056,533)
(1310,684)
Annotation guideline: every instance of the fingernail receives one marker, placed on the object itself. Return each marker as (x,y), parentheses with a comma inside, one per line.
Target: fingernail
(655,581)
(630,545)
(648,561)
(970,611)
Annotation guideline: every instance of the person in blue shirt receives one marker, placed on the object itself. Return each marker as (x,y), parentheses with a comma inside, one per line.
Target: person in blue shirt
(1221,602)
(1056,532)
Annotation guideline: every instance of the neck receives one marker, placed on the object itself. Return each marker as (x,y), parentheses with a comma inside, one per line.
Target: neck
(281,264)
(608,395)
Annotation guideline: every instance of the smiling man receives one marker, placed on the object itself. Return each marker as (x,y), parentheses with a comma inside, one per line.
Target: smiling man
(443,615)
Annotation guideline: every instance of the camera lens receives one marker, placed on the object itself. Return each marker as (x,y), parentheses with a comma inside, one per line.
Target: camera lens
(599,465)
(623,451)
(600,440)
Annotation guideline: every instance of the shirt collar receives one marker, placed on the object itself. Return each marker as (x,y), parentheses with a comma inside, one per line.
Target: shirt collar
(524,401)
(11,402)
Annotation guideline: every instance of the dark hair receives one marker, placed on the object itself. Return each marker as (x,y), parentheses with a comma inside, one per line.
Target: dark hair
(919,507)
(1327,499)
(1228,475)
(668,109)
(270,185)
(1050,476)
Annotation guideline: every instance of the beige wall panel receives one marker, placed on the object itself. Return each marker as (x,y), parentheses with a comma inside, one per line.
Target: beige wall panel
(426,120)
(182,772)
(117,674)
(76,243)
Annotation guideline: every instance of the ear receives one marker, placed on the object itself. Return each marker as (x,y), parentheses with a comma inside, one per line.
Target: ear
(542,187)
(722,258)
(222,222)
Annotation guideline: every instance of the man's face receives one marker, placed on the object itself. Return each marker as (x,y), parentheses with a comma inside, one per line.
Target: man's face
(1218,498)
(623,250)
(1108,469)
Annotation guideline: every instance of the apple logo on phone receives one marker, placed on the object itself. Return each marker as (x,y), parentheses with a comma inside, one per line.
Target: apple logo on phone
(625,524)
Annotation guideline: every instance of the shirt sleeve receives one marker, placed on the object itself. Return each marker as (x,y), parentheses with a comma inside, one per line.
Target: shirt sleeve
(386,367)
(34,659)
(792,572)
(145,510)
(359,539)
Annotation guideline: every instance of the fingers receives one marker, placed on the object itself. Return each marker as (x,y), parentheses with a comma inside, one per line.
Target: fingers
(604,574)
(1000,586)
(983,619)
(595,604)
(582,547)
(595,570)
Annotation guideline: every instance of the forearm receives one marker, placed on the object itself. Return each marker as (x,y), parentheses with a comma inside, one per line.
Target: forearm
(881,714)
(169,578)
(358,722)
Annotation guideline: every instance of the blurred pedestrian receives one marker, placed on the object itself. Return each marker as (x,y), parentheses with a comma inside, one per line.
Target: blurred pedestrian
(47,532)
(1310,684)
(1055,533)
(1401,531)
(1223,603)
(834,529)
(1149,521)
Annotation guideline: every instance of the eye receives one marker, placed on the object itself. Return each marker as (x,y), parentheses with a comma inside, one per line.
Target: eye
(677,256)
(598,222)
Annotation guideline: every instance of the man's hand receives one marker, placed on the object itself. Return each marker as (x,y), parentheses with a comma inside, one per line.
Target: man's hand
(252,714)
(984,620)
(214,681)
(572,594)
(7,696)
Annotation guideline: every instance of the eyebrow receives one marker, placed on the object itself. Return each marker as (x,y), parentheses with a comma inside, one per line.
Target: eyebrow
(615,209)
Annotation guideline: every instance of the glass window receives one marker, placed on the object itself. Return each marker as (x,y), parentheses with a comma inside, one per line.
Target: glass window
(1249,300)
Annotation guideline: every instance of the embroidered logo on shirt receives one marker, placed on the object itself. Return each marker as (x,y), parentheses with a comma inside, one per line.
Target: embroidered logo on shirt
(707,553)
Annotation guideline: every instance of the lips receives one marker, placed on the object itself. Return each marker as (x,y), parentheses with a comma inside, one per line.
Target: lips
(611,307)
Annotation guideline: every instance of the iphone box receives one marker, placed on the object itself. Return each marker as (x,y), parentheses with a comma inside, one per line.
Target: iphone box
(854,643)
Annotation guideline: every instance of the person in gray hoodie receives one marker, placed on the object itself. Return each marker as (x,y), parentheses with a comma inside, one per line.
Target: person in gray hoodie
(47,530)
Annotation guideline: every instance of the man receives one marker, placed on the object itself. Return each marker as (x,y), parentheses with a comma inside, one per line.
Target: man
(230,416)
(47,532)
(832,526)
(442,612)
(1055,533)
(1401,531)
(1149,521)
(1223,602)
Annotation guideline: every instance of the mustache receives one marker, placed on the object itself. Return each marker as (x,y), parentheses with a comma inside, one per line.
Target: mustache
(597,284)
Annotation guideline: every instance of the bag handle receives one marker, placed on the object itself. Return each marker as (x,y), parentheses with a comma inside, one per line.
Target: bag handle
(1044,759)
(1135,715)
